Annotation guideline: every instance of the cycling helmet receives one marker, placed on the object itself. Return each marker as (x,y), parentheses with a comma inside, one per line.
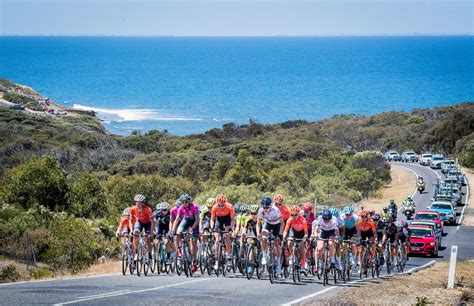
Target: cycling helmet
(139,198)
(405,225)
(221,199)
(295,209)
(185,198)
(335,212)
(375,217)
(126,212)
(266,202)
(326,214)
(210,202)
(244,208)
(392,202)
(278,199)
(389,220)
(408,198)
(164,205)
(385,209)
(254,209)
(364,213)
(237,208)
(308,206)
(348,210)
(371,211)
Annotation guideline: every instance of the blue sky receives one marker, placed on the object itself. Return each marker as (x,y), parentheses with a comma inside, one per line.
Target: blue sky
(235,17)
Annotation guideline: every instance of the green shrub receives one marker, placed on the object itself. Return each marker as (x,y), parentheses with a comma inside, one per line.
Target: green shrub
(41,272)
(9,274)
(87,198)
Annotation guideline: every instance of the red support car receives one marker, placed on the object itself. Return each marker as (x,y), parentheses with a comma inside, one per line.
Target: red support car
(430,215)
(423,240)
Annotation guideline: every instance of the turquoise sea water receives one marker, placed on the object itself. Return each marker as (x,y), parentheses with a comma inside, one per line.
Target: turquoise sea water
(189,85)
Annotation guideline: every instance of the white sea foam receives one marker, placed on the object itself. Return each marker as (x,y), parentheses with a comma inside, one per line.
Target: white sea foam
(132,114)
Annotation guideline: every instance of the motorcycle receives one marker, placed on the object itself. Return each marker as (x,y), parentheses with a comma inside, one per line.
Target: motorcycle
(420,187)
(409,211)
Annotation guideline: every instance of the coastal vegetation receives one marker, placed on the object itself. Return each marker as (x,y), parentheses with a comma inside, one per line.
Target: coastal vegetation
(65,180)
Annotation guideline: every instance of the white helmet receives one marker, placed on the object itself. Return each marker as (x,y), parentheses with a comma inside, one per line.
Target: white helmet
(139,198)
(126,212)
(164,205)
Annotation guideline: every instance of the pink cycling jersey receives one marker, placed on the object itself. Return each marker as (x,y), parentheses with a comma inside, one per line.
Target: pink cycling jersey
(188,213)
(174,212)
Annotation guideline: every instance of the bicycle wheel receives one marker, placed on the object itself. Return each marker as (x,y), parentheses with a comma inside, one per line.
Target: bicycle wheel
(249,263)
(139,261)
(325,271)
(152,260)
(202,259)
(145,262)
(235,258)
(177,264)
(270,269)
(158,260)
(222,261)
(399,263)
(124,261)
(362,267)
(294,268)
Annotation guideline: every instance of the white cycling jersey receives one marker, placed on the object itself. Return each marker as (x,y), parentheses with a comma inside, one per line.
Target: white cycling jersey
(272,217)
(326,225)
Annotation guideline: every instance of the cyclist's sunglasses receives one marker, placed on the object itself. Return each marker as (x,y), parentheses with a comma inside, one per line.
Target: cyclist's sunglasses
(164,209)
(363,216)
(348,215)
(266,207)
(253,213)
(294,215)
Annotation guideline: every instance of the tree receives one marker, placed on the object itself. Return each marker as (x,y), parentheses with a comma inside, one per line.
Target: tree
(245,171)
(87,198)
(40,181)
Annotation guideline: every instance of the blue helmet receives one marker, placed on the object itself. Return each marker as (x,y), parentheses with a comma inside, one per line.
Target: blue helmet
(335,212)
(266,201)
(348,210)
(326,214)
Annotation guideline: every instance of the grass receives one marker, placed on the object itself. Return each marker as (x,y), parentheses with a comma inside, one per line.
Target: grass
(402,185)
(420,288)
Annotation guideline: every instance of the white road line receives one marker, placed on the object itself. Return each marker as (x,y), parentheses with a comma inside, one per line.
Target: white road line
(466,201)
(102,294)
(58,279)
(353,282)
(112,294)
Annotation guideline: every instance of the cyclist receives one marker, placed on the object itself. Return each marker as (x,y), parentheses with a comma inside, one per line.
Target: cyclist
(349,230)
(124,226)
(308,214)
(385,213)
(379,228)
(187,219)
(365,231)
(297,228)
(222,219)
(205,220)
(249,229)
(392,209)
(140,218)
(285,211)
(336,213)
(403,236)
(174,213)
(325,227)
(161,217)
(390,234)
(272,221)
(240,222)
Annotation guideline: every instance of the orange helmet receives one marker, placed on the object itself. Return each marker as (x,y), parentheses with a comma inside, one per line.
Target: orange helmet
(308,206)
(295,209)
(221,199)
(364,213)
(278,199)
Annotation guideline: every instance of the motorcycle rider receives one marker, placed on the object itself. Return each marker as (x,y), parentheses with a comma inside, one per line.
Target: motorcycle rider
(408,207)
(392,208)
(421,180)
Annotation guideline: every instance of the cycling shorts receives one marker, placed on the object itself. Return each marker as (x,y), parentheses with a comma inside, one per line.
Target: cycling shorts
(327,234)
(222,223)
(349,233)
(138,227)
(272,228)
(296,234)
(391,238)
(402,238)
(186,224)
(162,229)
(366,234)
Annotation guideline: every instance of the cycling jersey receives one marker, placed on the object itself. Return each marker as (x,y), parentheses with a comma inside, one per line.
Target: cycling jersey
(285,211)
(326,226)
(188,213)
(143,215)
(163,222)
(299,224)
(242,220)
(205,217)
(271,217)
(124,226)
(174,212)
(366,226)
(227,210)
(349,222)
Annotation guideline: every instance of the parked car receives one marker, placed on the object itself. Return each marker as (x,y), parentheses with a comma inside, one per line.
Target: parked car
(423,240)
(459,175)
(17,107)
(433,225)
(455,193)
(59,112)
(409,156)
(451,180)
(446,210)
(391,156)
(446,165)
(436,161)
(425,159)
(444,197)
(430,215)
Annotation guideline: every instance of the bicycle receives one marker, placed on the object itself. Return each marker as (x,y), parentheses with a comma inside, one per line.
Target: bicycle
(401,257)
(285,263)
(346,256)
(252,258)
(220,256)
(326,270)
(366,263)
(296,265)
(271,269)
(162,263)
(388,256)
(142,255)
(205,255)
(127,260)
(184,261)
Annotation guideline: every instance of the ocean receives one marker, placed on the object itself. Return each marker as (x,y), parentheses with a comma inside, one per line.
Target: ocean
(189,85)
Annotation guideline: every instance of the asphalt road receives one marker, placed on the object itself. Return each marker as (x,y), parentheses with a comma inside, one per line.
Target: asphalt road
(174,290)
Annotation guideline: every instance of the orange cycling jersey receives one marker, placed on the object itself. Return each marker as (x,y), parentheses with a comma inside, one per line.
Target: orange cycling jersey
(227,210)
(285,211)
(366,226)
(298,225)
(123,224)
(143,215)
